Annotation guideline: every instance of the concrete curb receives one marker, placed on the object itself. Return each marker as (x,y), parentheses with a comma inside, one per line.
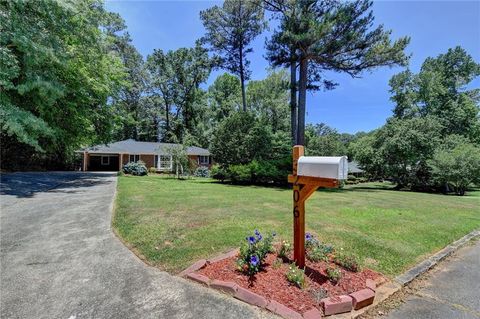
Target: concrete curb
(430,262)
(388,289)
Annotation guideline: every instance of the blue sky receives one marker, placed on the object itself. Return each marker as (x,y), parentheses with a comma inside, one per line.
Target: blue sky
(356,104)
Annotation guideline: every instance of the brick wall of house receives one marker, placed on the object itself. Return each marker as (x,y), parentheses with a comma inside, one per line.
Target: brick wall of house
(149,160)
(125,159)
(195,159)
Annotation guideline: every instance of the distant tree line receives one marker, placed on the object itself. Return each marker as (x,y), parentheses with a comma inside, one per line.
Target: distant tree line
(432,141)
(71,76)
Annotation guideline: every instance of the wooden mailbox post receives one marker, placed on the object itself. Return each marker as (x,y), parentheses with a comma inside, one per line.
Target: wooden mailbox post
(303,187)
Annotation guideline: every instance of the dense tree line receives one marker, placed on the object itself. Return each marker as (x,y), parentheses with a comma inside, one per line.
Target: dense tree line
(71,77)
(432,141)
(58,71)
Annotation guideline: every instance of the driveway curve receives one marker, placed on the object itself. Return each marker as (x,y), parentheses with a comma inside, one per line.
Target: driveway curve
(60,259)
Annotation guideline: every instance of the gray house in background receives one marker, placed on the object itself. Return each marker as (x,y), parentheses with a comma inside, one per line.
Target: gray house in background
(113,156)
(354,169)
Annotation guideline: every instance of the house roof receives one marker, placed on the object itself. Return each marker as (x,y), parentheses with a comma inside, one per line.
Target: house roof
(354,168)
(131,146)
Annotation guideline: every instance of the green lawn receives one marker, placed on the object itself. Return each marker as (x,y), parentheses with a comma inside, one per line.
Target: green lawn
(173,223)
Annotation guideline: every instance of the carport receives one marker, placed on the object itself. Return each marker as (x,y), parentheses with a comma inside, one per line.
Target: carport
(102,162)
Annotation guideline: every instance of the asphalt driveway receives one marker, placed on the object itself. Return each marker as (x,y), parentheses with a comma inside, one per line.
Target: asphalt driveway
(451,292)
(60,259)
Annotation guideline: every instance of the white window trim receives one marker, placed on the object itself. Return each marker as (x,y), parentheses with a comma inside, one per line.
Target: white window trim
(166,168)
(206,157)
(101,160)
(134,156)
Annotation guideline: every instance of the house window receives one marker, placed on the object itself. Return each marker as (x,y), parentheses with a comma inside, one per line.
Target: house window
(134,158)
(164,162)
(105,160)
(203,160)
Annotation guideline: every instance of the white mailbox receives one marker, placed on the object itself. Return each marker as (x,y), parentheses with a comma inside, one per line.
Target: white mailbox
(335,167)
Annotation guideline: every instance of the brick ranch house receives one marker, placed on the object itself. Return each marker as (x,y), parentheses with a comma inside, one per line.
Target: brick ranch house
(113,156)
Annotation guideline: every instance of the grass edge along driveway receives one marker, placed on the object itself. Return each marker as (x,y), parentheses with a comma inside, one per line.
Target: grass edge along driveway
(172,223)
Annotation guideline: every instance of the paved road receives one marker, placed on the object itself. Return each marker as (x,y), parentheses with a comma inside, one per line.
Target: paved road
(59,258)
(452,292)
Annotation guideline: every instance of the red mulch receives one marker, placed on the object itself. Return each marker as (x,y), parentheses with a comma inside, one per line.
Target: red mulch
(272,284)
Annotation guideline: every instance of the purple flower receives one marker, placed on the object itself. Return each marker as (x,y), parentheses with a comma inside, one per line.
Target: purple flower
(254,260)
(258,235)
(308,236)
(251,240)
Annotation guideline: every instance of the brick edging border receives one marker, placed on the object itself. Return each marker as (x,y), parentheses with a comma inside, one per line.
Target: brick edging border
(330,305)
(421,268)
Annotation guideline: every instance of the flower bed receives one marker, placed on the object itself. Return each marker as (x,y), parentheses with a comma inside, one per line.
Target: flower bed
(301,291)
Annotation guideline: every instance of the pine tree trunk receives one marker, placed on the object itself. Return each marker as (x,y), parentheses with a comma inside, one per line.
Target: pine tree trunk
(242,81)
(136,134)
(244,100)
(302,101)
(293,102)
(167,122)
(158,128)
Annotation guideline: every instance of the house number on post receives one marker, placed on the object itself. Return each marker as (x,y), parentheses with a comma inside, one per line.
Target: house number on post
(310,173)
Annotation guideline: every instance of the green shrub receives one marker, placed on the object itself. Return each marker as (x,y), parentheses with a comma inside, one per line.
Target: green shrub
(351,180)
(240,173)
(277,263)
(311,241)
(271,172)
(284,249)
(296,276)
(348,262)
(152,170)
(219,173)
(202,171)
(253,253)
(333,274)
(317,254)
(362,179)
(458,167)
(255,172)
(135,168)
(315,250)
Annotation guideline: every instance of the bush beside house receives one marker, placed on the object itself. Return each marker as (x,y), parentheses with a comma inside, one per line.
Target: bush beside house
(135,168)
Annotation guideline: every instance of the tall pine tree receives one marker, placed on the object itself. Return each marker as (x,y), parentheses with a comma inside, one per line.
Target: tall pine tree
(230,30)
(329,36)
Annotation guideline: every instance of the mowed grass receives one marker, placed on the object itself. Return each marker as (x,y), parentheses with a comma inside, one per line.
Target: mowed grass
(173,223)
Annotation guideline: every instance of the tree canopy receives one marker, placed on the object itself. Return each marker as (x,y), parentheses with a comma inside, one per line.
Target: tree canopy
(58,71)
(435,122)
(176,77)
(230,30)
(70,77)
(440,90)
(321,36)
